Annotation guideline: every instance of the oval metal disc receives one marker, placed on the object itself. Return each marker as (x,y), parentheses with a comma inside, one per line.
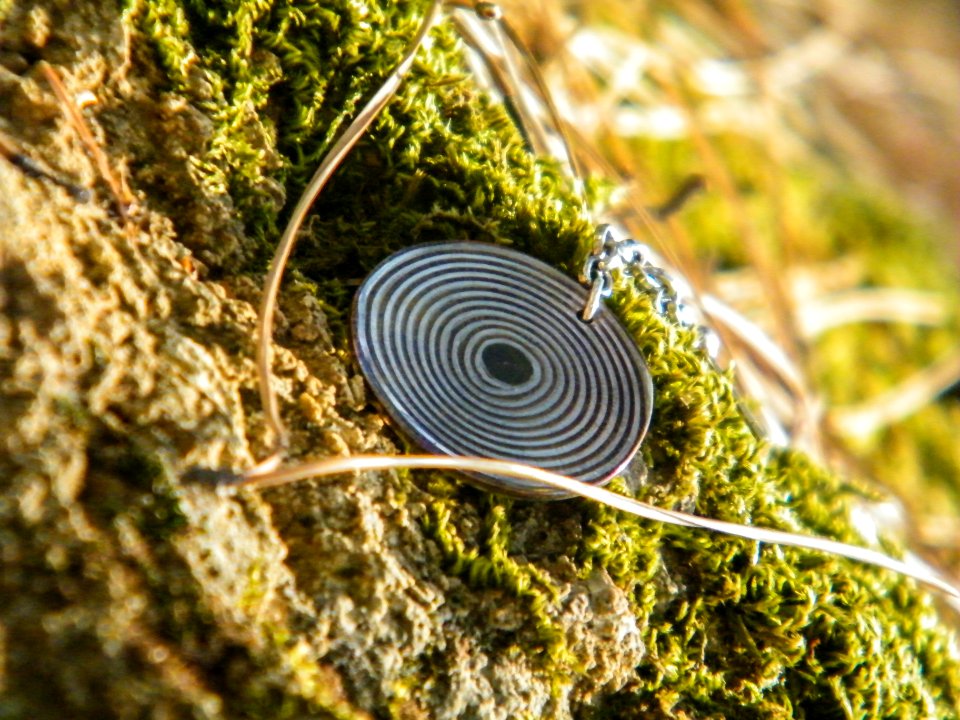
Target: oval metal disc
(476,349)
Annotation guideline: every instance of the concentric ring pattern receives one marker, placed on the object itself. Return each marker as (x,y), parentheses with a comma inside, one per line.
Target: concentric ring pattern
(476,349)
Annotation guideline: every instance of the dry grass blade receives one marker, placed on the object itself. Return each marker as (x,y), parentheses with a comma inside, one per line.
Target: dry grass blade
(120,193)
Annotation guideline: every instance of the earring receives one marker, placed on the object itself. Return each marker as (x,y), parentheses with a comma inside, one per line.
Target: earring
(476,349)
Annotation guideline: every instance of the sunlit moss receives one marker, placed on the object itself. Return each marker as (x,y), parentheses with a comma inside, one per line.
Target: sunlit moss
(731,629)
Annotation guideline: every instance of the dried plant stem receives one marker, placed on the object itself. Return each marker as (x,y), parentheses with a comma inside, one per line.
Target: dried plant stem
(120,193)
(881,305)
(899,402)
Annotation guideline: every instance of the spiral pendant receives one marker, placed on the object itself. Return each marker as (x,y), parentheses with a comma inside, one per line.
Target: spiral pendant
(476,349)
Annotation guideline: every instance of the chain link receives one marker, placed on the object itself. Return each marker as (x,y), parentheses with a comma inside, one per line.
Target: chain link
(673,296)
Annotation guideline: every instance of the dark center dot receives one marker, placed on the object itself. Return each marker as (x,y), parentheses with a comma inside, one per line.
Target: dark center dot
(506,363)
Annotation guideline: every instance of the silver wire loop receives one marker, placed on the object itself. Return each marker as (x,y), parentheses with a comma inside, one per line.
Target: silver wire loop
(601,287)
(504,66)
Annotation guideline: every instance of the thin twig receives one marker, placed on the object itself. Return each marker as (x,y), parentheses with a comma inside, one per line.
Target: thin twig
(900,401)
(121,196)
(29,167)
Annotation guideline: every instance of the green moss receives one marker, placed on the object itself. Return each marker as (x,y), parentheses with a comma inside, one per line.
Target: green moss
(314,690)
(488,563)
(286,77)
(731,629)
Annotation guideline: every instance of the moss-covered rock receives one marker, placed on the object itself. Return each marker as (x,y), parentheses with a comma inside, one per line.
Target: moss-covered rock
(126,352)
